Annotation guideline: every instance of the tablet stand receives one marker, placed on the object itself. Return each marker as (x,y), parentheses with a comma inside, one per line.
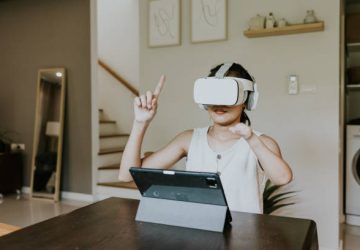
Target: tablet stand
(182,213)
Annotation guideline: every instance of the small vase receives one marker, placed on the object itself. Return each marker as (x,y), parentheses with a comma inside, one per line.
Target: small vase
(310,17)
(281,22)
(270,21)
(257,22)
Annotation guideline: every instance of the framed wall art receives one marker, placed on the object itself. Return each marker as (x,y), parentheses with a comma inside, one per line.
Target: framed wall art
(164,23)
(208,20)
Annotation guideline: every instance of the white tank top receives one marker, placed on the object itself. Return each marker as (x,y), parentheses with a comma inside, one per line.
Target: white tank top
(242,178)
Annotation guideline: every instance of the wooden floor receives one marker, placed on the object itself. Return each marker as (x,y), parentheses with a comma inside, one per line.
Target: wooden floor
(24,212)
(6,228)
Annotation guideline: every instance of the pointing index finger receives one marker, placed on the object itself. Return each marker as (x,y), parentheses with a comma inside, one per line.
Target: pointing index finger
(159,86)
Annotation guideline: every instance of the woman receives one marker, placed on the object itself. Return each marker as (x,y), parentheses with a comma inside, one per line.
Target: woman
(244,158)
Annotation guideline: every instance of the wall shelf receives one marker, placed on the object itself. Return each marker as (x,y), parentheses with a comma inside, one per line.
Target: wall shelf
(287,30)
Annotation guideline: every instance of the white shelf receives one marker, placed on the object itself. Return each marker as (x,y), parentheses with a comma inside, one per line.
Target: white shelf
(353,47)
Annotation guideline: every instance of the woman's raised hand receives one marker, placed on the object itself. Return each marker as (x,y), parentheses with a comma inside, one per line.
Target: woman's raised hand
(242,129)
(145,105)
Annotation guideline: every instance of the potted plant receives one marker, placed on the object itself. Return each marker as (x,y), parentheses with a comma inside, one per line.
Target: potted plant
(5,141)
(272,201)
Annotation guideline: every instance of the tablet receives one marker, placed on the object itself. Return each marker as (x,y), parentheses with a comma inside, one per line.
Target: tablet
(188,186)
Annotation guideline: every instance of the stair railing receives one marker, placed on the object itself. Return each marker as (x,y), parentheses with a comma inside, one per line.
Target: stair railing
(120,79)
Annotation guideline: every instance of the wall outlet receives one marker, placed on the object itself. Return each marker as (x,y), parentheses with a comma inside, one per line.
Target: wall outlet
(293,87)
(17,146)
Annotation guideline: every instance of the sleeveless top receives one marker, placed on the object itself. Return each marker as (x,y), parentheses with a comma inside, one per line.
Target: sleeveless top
(242,178)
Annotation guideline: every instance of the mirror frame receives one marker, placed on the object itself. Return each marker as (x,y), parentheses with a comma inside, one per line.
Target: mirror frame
(56,195)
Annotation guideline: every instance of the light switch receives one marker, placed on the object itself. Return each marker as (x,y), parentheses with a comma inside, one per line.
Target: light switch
(293,87)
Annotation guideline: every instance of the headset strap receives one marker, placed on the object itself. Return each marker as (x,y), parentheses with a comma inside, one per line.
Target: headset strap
(247,84)
(223,70)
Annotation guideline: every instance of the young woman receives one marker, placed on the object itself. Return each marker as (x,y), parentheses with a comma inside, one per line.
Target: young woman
(244,158)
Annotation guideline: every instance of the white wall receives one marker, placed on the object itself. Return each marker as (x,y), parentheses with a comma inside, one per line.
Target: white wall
(118,46)
(306,125)
(118,36)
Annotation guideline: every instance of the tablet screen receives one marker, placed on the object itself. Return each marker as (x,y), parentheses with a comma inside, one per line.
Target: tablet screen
(178,185)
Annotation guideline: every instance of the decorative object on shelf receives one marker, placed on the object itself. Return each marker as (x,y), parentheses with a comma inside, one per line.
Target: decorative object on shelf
(257,22)
(270,21)
(310,17)
(164,23)
(281,22)
(208,20)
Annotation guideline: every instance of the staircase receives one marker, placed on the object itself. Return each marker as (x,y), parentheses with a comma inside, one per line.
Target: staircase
(111,144)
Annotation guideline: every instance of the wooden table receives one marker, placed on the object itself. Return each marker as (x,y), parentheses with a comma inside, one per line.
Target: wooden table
(110,224)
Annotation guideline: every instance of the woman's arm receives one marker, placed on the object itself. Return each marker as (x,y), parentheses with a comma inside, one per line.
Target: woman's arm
(164,158)
(145,108)
(268,153)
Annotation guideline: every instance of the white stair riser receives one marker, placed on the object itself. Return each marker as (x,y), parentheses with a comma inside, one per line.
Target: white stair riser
(113,142)
(107,128)
(108,175)
(108,159)
(106,192)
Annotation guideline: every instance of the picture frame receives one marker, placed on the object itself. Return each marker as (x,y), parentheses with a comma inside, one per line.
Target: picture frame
(164,23)
(208,20)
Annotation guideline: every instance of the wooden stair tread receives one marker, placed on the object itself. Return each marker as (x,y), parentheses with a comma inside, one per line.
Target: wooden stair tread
(113,135)
(118,184)
(107,121)
(109,167)
(111,150)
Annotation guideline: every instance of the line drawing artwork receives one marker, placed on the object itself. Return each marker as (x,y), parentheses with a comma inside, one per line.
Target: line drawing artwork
(210,11)
(162,21)
(208,20)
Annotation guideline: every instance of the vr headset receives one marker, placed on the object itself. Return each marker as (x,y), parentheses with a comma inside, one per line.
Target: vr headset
(226,91)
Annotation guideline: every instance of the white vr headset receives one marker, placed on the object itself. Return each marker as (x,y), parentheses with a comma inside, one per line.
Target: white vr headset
(227,91)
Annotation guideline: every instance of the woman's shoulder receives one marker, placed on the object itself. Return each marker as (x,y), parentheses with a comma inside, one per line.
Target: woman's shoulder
(190,132)
(270,142)
(187,135)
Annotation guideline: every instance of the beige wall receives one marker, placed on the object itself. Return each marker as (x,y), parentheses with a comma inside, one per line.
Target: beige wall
(39,34)
(305,125)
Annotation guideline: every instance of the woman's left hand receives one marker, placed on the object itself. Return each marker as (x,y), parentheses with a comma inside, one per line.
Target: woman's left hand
(242,129)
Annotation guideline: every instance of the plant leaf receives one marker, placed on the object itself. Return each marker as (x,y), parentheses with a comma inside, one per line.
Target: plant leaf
(274,208)
(274,202)
(269,191)
(280,195)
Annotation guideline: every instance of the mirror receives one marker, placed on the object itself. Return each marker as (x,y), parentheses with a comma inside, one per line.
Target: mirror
(48,134)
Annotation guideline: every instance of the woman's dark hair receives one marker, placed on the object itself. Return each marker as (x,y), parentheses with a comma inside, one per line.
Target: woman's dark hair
(236,70)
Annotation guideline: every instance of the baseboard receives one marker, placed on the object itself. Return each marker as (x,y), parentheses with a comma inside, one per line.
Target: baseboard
(25,190)
(326,248)
(77,196)
(67,195)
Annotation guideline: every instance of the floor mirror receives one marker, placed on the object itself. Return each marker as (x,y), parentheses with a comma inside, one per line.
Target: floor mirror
(48,134)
